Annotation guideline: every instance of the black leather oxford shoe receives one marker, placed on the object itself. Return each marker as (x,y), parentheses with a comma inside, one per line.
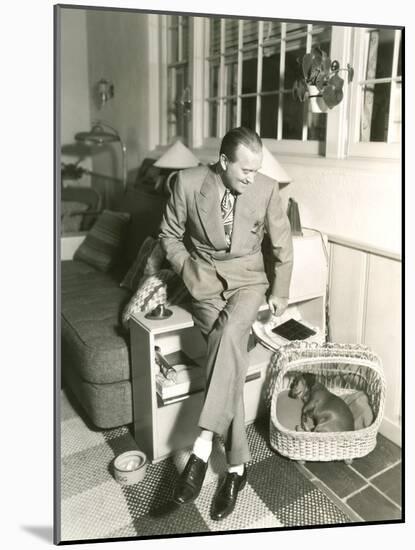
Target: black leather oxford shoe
(225,500)
(190,481)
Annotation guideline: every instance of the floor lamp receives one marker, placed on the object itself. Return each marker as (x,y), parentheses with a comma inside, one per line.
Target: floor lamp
(100,134)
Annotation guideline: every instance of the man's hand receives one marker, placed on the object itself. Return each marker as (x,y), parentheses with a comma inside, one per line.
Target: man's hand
(277,305)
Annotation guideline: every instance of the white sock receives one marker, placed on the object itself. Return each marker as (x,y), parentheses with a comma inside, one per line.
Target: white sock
(239,469)
(202,448)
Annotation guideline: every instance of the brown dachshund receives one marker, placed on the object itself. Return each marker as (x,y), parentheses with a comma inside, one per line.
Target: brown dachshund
(322,410)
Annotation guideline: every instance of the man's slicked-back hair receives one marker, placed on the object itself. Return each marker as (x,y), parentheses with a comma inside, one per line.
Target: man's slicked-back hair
(240,136)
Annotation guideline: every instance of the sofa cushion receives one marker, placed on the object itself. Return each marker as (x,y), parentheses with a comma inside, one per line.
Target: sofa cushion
(91,307)
(102,244)
(107,405)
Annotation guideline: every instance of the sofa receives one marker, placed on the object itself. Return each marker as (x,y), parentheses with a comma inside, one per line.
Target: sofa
(95,350)
(95,354)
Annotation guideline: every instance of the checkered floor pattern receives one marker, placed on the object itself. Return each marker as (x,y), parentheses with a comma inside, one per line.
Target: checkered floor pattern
(94,506)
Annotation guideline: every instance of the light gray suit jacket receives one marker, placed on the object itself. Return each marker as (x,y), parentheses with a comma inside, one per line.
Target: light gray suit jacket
(193,237)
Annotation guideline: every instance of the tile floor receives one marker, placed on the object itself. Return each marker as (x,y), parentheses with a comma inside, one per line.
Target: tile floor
(367,490)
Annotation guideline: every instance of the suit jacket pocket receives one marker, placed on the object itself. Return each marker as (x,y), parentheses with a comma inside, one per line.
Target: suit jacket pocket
(255,262)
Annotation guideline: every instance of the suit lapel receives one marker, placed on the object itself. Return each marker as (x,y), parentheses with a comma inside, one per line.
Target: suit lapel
(208,207)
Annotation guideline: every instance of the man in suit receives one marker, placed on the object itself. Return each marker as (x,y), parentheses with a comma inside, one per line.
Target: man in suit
(212,232)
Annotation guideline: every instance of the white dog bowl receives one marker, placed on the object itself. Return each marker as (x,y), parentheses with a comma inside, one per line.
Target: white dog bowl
(130,467)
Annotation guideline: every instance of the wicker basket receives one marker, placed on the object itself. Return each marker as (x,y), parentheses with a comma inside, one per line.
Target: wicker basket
(342,368)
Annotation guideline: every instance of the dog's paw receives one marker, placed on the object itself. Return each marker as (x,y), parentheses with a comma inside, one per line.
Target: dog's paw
(298,428)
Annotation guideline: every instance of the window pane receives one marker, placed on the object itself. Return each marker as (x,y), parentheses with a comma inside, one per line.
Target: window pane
(292,119)
(270,70)
(213,117)
(249,75)
(214,37)
(317,123)
(181,81)
(230,113)
(296,48)
(231,35)
(385,53)
(399,71)
(321,36)
(185,38)
(380,54)
(248,112)
(174,45)
(231,75)
(269,116)
(213,79)
(375,112)
(250,33)
(272,31)
(296,35)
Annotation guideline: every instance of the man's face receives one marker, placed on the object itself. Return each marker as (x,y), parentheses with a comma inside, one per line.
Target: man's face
(240,173)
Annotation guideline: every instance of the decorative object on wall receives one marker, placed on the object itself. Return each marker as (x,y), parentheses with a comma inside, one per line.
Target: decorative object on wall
(273,169)
(177,157)
(101,134)
(320,81)
(104,91)
(293,214)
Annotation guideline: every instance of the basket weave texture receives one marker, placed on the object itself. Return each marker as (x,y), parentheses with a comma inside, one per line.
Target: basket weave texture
(342,368)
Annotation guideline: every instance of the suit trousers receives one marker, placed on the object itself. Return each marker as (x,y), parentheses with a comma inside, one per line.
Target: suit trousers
(226,324)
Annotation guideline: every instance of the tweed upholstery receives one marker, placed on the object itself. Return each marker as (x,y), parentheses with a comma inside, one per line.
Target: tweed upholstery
(164,287)
(92,303)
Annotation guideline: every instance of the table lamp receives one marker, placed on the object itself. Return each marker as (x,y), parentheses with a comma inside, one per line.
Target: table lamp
(177,157)
(273,169)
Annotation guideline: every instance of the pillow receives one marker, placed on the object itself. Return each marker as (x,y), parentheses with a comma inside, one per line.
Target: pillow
(103,240)
(164,287)
(149,261)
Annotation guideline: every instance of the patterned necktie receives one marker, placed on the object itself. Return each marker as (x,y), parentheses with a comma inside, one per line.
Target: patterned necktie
(227,205)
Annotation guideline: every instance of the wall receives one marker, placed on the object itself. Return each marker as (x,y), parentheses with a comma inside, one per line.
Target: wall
(118,51)
(365,308)
(358,200)
(75,111)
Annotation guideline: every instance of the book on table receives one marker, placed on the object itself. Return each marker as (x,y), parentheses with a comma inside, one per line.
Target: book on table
(189,376)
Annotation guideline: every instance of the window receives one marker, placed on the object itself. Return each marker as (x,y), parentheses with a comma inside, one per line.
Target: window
(178,94)
(251,67)
(376,100)
(225,72)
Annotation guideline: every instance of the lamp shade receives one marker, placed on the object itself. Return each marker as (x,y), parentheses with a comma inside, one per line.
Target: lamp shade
(100,134)
(97,136)
(177,157)
(273,169)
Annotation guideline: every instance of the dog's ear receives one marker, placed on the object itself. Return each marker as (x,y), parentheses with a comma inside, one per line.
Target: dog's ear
(295,379)
(310,379)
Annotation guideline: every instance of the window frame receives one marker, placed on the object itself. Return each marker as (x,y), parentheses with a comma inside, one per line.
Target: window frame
(370,149)
(345,47)
(278,144)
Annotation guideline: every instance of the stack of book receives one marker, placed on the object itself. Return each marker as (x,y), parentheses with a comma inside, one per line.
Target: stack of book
(187,377)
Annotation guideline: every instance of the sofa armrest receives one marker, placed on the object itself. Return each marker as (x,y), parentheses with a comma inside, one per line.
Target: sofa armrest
(69,244)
